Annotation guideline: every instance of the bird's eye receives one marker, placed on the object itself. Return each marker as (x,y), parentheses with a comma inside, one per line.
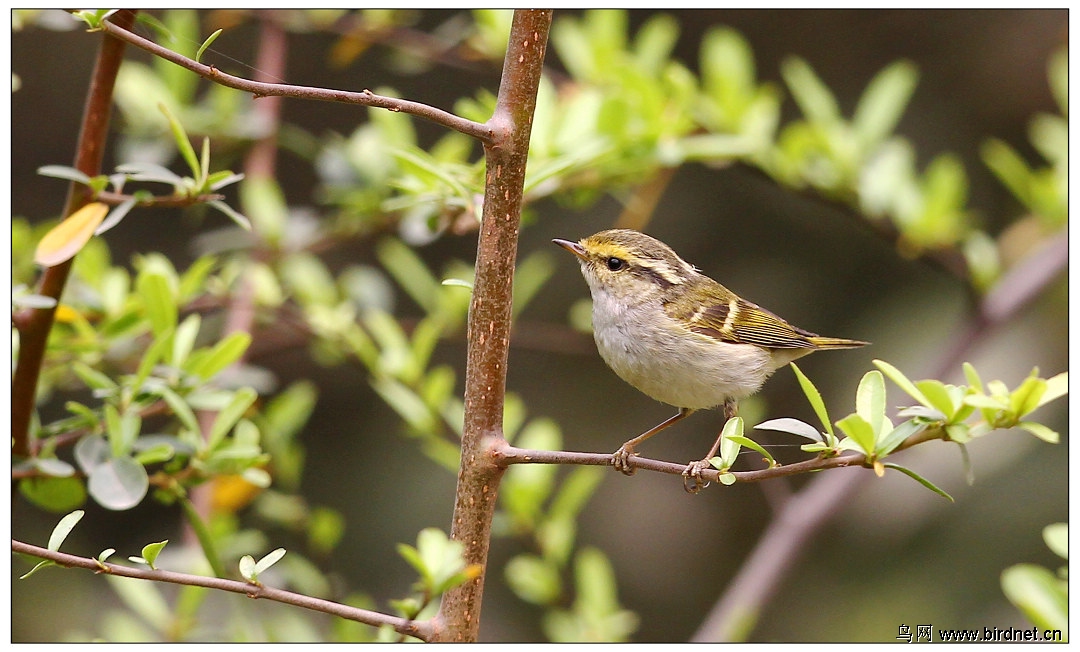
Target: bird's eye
(615,264)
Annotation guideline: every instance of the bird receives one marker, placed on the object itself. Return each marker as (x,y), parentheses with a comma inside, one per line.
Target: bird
(678,336)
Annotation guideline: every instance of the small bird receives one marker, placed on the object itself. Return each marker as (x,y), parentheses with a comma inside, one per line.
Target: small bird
(677,335)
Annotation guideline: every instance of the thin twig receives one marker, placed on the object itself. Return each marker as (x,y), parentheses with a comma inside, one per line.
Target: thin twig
(481,132)
(418,629)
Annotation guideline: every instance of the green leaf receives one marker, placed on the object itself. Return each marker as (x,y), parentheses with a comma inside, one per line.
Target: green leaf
(938,397)
(54,494)
(224,353)
(92,378)
(209,40)
(159,348)
(1039,594)
(1056,387)
(230,414)
(151,551)
(859,431)
(902,381)
(45,563)
(1025,398)
(813,97)
(184,339)
(1056,536)
(1040,431)
(921,480)
(814,397)
(118,484)
(183,144)
(533,579)
(410,272)
(181,409)
(63,529)
(883,102)
(230,212)
(159,302)
(753,445)
(870,400)
(729,448)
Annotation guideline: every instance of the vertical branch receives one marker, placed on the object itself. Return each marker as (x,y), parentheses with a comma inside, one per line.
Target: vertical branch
(34,324)
(489,316)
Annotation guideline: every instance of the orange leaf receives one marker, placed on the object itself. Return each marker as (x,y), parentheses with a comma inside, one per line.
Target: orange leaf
(68,237)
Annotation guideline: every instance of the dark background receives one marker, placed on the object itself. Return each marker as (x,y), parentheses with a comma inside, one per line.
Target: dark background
(894,553)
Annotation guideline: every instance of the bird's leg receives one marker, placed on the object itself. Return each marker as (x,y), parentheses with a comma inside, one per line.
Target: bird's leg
(621,457)
(694,469)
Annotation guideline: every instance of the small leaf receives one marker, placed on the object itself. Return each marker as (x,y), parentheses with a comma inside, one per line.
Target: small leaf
(209,39)
(230,414)
(224,353)
(921,480)
(870,400)
(269,560)
(1040,431)
(792,426)
(1038,594)
(1056,536)
(902,381)
(972,376)
(159,301)
(859,431)
(1026,397)
(236,216)
(115,216)
(753,445)
(814,396)
(729,448)
(41,564)
(64,172)
(118,484)
(183,144)
(456,282)
(247,568)
(64,528)
(1056,387)
(151,551)
(66,238)
(938,396)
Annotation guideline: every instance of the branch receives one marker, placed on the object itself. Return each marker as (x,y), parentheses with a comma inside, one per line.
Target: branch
(489,316)
(171,201)
(481,132)
(35,325)
(418,629)
(505,455)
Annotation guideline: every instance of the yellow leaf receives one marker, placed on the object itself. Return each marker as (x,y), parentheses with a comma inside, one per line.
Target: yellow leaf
(68,237)
(879,468)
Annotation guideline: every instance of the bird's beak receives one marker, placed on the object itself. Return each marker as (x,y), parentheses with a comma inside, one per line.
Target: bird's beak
(572,247)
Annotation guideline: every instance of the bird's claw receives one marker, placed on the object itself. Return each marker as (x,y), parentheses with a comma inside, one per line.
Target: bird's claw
(620,460)
(693,472)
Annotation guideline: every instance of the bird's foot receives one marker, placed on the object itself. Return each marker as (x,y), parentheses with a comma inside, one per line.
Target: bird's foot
(692,480)
(620,459)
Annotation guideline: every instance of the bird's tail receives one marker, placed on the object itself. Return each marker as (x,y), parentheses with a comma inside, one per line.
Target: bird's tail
(835,343)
